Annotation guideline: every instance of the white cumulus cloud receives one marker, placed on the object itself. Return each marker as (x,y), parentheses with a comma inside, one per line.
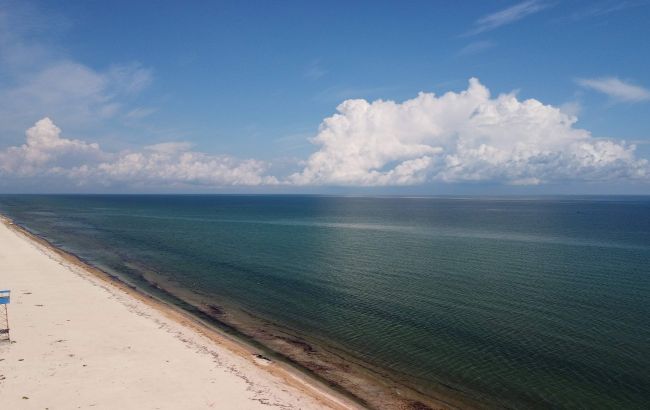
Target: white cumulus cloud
(45,149)
(465,136)
(46,154)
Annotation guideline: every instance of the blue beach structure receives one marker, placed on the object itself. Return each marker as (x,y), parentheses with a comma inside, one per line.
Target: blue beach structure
(5,297)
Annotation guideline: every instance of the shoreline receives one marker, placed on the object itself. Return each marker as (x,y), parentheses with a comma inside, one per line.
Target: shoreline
(284,363)
(321,394)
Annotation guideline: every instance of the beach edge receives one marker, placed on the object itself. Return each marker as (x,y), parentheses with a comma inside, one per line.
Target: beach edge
(305,383)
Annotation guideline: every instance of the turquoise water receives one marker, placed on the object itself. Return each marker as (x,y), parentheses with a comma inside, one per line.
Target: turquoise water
(519,303)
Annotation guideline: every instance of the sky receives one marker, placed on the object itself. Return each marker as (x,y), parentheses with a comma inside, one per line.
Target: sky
(377,97)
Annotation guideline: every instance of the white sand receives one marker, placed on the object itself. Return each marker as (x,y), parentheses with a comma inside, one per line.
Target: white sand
(82,342)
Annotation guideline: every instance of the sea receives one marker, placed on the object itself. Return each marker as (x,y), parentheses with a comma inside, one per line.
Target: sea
(509,302)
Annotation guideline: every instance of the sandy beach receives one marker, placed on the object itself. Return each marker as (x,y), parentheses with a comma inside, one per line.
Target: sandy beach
(80,340)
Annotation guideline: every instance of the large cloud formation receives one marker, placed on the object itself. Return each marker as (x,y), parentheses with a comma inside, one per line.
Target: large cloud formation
(457,137)
(46,153)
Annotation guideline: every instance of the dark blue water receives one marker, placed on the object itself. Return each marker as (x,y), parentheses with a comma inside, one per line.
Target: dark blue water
(513,302)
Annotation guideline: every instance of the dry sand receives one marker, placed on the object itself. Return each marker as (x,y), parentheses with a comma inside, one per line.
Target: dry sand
(81,341)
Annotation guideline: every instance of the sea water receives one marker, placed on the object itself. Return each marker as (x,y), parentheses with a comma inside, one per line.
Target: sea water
(514,302)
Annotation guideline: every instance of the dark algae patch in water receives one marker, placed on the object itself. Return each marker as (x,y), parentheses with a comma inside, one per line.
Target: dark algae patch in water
(504,302)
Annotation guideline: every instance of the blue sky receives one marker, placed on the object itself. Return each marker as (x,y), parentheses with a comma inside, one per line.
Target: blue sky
(237,91)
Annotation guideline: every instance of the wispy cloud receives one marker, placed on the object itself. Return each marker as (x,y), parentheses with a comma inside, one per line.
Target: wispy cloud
(475,48)
(616,89)
(605,8)
(507,16)
(39,78)
(139,112)
(315,70)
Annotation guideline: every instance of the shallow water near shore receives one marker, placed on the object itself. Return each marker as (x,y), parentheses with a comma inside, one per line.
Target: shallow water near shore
(519,303)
